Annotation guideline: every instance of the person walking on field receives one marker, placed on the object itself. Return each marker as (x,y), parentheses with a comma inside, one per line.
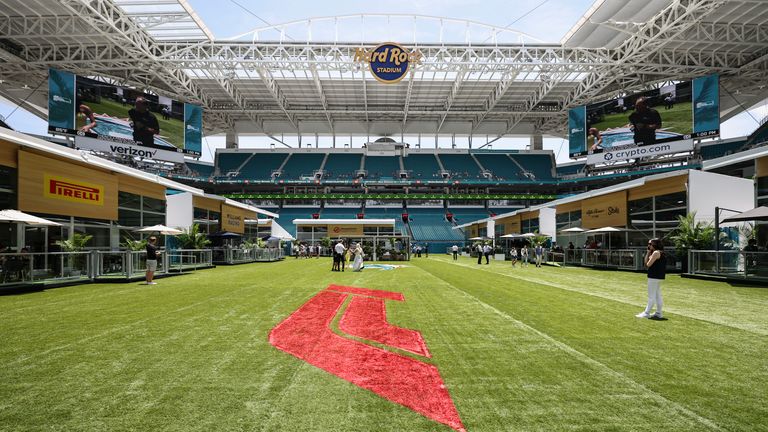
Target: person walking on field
(656,262)
(513,254)
(539,252)
(524,256)
(152,255)
(480,251)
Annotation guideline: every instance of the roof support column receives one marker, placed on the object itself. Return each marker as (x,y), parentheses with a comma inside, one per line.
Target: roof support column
(232,139)
(537,142)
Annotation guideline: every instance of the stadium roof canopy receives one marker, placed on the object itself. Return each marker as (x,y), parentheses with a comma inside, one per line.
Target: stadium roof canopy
(300,77)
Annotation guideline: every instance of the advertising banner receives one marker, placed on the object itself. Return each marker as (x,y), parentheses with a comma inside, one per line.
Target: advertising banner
(61,100)
(577,132)
(193,128)
(706,106)
(88,143)
(605,211)
(633,152)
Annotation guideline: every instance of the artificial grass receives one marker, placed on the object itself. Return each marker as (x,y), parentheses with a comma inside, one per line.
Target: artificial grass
(518,349)
(678,119)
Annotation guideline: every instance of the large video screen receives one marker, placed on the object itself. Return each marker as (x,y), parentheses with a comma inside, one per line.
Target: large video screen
(91,108)
(679,111)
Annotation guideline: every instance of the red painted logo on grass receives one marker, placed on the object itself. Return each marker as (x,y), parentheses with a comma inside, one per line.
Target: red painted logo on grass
(407,381)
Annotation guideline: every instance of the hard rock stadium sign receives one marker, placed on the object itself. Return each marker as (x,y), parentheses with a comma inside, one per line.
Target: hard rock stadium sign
(388,62)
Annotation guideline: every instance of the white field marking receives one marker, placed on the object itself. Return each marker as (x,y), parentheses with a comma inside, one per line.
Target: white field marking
(587,359)
(667,308)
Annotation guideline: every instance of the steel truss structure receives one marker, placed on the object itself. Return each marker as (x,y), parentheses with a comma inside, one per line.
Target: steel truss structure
(489,87)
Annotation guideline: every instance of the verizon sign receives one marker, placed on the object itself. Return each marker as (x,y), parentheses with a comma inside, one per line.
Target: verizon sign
(633,152)
(88,143)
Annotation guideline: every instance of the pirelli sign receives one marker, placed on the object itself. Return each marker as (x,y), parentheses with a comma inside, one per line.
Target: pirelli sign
(53,186)
(73,190)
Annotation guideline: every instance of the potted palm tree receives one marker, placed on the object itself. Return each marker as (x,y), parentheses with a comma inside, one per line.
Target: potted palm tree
(76,261)
(691,234)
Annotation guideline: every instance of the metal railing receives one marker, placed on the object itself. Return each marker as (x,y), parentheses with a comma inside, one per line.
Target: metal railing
(730,263)
(625,259)
(180,260)
(241,256)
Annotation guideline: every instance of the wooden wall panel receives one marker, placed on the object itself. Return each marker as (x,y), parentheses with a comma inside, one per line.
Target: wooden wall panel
(140,187)
(207,203)
(761,167)
(233,218)
(604,211)
(659,187)
(8,154)
(569,207)
(51,186)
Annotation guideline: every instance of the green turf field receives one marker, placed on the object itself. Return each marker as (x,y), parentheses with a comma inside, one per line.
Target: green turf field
(172,130)
(545,349)
(679,119)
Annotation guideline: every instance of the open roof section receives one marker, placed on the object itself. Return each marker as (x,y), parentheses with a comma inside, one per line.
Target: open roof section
(465,85)
(166,19)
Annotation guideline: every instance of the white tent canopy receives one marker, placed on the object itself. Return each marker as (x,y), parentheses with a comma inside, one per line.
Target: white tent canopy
(18,216)
(280,232)
(573,230)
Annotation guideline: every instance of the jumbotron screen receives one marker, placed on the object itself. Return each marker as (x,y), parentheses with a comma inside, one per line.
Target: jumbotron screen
(95,109)
(679,111)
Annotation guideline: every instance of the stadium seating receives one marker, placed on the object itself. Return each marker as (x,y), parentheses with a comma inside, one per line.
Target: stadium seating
(464,215)
(302,165)
(431,225)
(342,165)
(340,213)
(576,168)
(461,166)
(382,166)
(395,213)
(539,164)
(287,215)
(500,165)
(422,166)
(260,167)
(230,161)
(721,149)
(201,170)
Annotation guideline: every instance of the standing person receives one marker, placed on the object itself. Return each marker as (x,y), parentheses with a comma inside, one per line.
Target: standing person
(357,265)
(152,255)
(656,262)
(339,250)
(571,246)
(426,249)
(455,251)
(524,256)
(347,258)
(418,251)
(644,122)
(750,255)
(479,249)
(539,252)
(513,254)
(145,125)
(487,253)
(594,140)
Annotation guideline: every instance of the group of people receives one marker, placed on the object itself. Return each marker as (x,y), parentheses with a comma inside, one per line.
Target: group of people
(304,251)
(524,254)
(342,255)
(418,249)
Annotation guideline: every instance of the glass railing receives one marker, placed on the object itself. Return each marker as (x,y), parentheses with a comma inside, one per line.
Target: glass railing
(241,256)
(30,268)
(180,260)
(729,263)
(625,259)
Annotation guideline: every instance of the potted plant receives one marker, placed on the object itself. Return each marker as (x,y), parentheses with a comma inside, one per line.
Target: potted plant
(691,234)
(192,238)
(76,261)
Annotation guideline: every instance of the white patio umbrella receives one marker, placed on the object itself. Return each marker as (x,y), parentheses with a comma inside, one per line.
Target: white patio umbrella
(18,216)
(510,235)
(573,230)
(477,238)
(605,230)
(162,229)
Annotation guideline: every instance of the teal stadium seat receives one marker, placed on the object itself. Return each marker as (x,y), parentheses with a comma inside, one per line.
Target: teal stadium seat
(422,166)
(260,166)
(382,166)
(461,166)
(342,166)
(302,165)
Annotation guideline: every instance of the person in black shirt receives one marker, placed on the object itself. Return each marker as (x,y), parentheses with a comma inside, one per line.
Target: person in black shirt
(145,125)
(656,262)
(645,121)
(750,255)
(152,255)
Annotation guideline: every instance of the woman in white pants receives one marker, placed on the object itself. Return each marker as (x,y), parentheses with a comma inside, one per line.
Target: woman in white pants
(656,263)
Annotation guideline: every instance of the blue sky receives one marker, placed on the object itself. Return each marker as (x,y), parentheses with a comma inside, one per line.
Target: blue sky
(547,20)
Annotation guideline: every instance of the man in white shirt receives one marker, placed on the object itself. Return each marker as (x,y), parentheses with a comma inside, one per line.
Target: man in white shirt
(455,250)
(338,256)
(480,250)
(487,253)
